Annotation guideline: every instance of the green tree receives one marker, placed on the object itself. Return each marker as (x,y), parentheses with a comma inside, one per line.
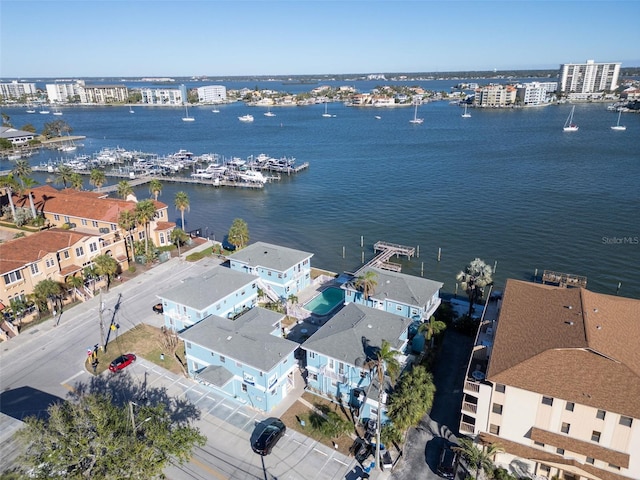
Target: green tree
(181,202)
(124,189)
(178,237)
(107,266)
(56,128)
(5,144)
(10,185)
(96,438)
(76,181)
(27,184)
(74,282)
(46,291)
(127,222)
(22,170)
(65,175)
(473,279)
(478,458)
(238,233)
(432,328)
(29,128)
(6,120)
(145,212)
(97,178)
(155,188)
(367,283)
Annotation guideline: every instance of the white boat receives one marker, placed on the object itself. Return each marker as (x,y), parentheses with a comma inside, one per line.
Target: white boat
(377,117)
(465,114)
(30,109)
(326,114)
(56,111)
(617,126)
(215,110)
(569,126)
(43,111)
(246,118)
(187,118)
(252,176)
(416,120)
(131,110)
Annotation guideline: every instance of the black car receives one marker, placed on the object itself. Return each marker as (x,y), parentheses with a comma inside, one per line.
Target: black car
(273,429)
(448,462)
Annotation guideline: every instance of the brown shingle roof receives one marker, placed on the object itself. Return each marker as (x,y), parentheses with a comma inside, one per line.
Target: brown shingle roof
(76,203)
(14,254)
(569,343)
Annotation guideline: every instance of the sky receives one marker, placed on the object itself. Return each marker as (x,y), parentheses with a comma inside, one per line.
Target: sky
(169,38)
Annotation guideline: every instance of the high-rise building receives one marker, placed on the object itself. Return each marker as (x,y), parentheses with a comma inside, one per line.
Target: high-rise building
(590,77)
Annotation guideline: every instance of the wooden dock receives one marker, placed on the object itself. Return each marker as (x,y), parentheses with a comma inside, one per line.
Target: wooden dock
(384,252)
(134,182)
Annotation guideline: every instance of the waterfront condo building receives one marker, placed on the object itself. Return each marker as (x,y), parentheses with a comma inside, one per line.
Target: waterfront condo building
(14,90)
(164,96)
(555,382)
(583,79)
(212,94)
(495,95)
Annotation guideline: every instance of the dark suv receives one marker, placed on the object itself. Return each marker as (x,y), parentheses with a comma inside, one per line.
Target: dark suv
(271,433)
(448,462)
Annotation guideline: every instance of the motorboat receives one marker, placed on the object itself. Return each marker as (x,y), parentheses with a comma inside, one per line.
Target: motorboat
(246,118)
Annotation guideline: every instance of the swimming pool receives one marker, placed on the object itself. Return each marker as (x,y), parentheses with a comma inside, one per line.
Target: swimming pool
(326,301)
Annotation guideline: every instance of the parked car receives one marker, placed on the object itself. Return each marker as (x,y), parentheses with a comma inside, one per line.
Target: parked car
(273,430)
(122,361)
(158,308)
(448,462)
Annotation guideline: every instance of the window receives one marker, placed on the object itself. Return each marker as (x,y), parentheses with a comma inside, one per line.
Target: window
(399,308)
(94,223)
(601,414)
(545,468)
(565,427)
(79,252)
(12,277)
(363,374)
(65,254)
(84,222)
(570,406)
(244,387)
(494,429)
(538,444)
(213,354)
(497,408)
(560,451)
(93,247)
(595,436)
(113,227)
(66,219)
(626,421)
(500,388)
(50,262)
(313,376)
(341,368)
(611,465)
(222,359)
(547,401)
(331,364)
(312,354)
(161,238)
(34,269)
(590,460)
(188,344)
(56,217)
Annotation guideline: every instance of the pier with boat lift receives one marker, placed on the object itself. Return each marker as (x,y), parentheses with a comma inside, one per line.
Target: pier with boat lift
(384,251)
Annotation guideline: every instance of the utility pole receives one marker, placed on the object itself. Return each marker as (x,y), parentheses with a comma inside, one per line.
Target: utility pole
(101,323)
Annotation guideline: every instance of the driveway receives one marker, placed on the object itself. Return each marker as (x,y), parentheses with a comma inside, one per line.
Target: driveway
(420,457)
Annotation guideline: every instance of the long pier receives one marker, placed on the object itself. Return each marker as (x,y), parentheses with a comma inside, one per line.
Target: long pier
(384,252)
(134,182)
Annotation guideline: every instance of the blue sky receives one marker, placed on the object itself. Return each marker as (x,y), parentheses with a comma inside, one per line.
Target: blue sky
(59,38)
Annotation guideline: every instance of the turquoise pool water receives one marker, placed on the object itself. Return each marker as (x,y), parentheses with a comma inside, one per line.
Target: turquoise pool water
(326,301)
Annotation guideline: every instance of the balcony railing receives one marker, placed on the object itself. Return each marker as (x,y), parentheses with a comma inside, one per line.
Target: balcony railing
(471,386)
(466,427)
(469,407)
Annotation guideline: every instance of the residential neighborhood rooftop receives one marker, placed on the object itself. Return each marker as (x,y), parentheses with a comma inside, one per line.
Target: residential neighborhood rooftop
(403,288)
(273,257)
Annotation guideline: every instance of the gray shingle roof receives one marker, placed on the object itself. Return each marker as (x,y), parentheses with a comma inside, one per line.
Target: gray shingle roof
(208,288)
(355,332)
(247,339)
(273,257)
(403,288)
(215,375)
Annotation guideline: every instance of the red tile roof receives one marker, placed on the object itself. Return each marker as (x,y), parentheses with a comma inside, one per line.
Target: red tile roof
(569,343)
(17,253)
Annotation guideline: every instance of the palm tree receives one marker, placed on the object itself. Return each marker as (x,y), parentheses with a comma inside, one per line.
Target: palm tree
(106,265)
(367,283)
(238,233)
(473,279)
(97,178)
(65,173)
(124,189)
(46,291)
(127,221)
(27,184)
(145,212)
(182,203)
(478,458)
(385,361)
(10,185)
(21,170)
(292,300)
(178,236)
(155,188)
(74,282)
(76,181)
(432,328)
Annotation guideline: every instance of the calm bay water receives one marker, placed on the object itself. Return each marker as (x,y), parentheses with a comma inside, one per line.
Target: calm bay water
(508,186)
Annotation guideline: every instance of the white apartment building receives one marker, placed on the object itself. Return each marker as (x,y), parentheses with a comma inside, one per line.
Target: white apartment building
(103,93)
(495,95)
(212,94)
(589,77)
(555,382)
(164,96)
(17,89)
(63,92)
(535,93)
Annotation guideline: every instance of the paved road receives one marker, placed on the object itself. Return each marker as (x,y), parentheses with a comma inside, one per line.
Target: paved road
(423,445)
(46,362)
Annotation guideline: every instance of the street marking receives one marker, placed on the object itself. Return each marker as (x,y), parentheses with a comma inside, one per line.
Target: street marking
(208,468)
(72,377)
(339,461)
(321,453)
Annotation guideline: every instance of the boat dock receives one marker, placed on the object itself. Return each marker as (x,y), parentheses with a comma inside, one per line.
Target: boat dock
(200,181)
(384,251)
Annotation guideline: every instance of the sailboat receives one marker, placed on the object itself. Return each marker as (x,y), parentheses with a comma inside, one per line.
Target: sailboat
(215,110)
(569,126)
(56,111)
(269,113)
(465,114)
(187,118)
(326,114)
(416,120)
(617,126)
(43,111)
(131,110)
(30,109)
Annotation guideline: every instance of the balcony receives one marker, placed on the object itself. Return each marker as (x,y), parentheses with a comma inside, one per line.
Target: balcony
(469,407)
(467,428)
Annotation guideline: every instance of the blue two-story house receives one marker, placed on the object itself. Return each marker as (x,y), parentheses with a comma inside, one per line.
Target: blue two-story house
(281,271)
(406,295)
(245,357)
(340,354)
(219,291)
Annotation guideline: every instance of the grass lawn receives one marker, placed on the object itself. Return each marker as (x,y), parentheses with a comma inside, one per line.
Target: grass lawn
(300,411)
(143,340)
